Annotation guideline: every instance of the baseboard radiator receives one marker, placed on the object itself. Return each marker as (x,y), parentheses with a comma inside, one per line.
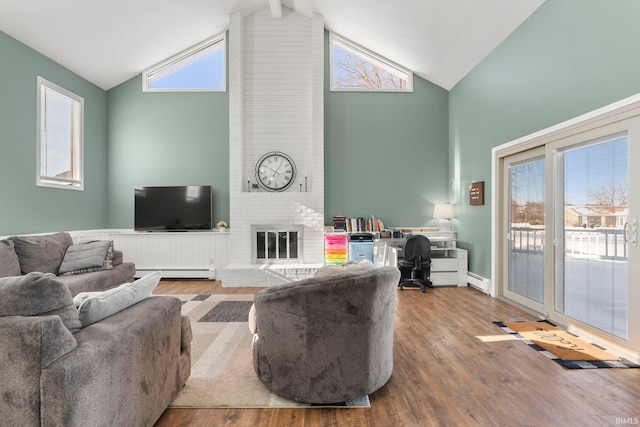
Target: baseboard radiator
(481,283)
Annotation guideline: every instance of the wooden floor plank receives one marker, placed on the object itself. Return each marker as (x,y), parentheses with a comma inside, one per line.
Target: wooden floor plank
(452,367)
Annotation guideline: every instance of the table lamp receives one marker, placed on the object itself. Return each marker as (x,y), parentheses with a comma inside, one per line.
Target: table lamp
(444,211)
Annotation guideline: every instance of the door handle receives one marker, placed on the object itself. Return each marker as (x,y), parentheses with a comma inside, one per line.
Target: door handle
(633,239)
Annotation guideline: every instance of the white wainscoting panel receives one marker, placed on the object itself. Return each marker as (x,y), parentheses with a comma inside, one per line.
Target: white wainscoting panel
(179,255)
(193,254)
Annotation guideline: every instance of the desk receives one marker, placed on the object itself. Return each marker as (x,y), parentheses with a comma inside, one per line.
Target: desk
(448,263)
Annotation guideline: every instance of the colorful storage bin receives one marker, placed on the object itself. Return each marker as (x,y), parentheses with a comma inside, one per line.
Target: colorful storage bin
(335,248)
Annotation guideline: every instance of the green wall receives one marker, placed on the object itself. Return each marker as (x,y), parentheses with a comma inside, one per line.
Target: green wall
(27,208)
(166,139)
(570,57)
(386,154)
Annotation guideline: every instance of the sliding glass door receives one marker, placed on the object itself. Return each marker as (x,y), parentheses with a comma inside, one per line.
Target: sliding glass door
(525,177)
(566,228)
(592,213)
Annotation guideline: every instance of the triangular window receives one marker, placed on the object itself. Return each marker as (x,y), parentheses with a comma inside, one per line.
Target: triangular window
(200,68)
(356,68)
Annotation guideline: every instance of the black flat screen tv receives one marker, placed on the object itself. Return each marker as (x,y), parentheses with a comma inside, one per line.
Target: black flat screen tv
(174,208)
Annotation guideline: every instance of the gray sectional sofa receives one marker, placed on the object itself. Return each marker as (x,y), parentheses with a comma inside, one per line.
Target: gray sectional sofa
(46,253)
(119,360)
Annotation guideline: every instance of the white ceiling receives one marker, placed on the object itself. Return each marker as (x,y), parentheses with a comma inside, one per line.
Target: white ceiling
(108,42)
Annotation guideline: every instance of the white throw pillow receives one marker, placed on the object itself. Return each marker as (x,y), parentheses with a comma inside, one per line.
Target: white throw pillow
(253,320)
(95,306)
(366,264)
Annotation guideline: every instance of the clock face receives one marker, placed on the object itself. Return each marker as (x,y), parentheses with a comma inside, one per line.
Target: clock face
(275,171)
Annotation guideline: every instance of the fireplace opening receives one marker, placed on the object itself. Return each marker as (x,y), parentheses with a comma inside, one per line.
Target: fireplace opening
(276,244)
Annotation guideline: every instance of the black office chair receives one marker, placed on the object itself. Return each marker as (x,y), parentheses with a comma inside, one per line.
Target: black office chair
(415,263)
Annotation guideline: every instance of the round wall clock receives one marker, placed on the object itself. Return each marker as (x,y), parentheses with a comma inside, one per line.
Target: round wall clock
(275,171)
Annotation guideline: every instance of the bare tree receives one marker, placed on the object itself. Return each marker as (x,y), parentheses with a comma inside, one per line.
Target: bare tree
(609,195)
(354,71)
(526,183)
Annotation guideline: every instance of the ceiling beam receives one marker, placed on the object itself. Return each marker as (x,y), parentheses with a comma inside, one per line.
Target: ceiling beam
(276,8)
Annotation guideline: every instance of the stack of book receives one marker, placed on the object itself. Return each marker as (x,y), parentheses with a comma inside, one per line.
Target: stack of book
(358,225)
(340,223)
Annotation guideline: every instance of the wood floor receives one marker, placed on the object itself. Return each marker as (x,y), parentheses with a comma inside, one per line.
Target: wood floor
(452,367)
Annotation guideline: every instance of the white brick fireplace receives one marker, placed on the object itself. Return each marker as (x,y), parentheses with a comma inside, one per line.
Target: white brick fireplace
(276,103)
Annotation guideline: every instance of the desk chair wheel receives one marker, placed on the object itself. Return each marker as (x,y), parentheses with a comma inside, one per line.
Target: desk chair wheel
(423,284)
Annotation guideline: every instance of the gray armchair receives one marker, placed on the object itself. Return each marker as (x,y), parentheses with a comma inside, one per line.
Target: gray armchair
(328,339)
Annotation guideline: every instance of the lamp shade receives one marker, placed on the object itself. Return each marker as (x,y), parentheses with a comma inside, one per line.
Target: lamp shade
(443,210)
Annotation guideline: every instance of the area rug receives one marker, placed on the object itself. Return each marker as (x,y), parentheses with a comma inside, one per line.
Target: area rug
(563,347)
(222,374)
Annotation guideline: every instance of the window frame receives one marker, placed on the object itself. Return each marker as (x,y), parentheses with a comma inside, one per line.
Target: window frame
(77,137)
(388,65)
(173,63)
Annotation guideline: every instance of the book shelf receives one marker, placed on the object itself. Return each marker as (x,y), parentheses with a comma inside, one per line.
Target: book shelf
(358,225)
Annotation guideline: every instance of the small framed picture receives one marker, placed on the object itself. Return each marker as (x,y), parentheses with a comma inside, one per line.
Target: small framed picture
(476,193)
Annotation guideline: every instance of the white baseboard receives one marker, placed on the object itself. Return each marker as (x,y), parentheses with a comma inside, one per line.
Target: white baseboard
(481,283)
(179,274)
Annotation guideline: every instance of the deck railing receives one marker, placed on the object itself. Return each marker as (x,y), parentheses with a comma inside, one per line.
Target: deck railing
(601,243)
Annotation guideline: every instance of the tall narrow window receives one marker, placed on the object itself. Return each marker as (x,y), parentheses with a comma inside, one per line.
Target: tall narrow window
(199,68)
(356,68)
(60,137)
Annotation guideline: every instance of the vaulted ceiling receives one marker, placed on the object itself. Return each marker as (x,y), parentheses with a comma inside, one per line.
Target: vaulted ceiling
(108,42)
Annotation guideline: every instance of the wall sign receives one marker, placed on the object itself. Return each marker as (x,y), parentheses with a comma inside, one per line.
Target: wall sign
(476,193)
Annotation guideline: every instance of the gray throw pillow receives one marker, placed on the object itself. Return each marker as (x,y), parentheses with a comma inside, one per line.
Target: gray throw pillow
(87,257)
(9,262)
(41,253)
(347,267)
(95,306)
(38,294)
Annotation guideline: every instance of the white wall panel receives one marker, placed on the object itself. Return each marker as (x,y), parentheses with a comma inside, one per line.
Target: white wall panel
(183,255)
(197,254)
